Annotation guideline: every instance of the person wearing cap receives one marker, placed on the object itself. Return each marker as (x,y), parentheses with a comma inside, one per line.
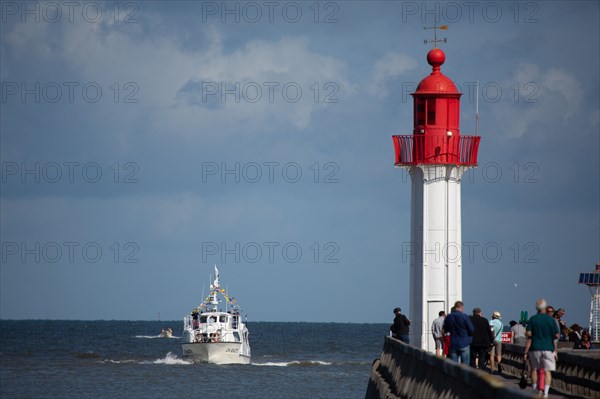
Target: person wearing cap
(400,329)
(496,327)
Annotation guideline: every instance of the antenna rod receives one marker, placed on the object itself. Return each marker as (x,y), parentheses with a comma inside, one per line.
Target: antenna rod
(477,111)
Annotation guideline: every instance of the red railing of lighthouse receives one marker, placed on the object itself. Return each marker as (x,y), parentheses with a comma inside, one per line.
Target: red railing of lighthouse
(422,149)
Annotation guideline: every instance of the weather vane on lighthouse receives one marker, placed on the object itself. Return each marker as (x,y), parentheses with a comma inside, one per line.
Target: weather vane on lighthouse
(435,28)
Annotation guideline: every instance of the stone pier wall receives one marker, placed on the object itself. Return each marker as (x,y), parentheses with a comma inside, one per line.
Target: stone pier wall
(410,373)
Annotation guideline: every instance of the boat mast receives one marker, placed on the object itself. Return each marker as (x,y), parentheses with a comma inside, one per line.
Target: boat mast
(215,288)
(202,298)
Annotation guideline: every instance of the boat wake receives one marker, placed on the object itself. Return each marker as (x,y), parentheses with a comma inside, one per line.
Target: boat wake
(295,363)
(156,336)
(119,361)
(169,359)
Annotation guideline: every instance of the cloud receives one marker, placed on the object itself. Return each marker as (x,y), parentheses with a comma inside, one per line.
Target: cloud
(535,98)
(265,81)
(557,81)
(388,67)
(275,82)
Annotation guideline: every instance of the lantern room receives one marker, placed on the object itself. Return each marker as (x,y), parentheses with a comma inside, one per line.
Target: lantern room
(436,135)
(436,101)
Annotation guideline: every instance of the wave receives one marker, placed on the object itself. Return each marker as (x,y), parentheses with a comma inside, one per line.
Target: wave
(303,363)
(156,336)
(169,359)
(119,361)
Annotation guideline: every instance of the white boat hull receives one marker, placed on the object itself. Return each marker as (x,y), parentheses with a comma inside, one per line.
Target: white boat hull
(215,352)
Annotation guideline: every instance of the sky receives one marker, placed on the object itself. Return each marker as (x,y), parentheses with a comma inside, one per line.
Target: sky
(143,142)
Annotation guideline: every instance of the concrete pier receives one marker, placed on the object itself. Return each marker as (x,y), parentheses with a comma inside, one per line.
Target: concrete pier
(408,372)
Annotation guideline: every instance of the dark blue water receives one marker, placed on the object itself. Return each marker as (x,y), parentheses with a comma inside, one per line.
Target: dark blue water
(126,359)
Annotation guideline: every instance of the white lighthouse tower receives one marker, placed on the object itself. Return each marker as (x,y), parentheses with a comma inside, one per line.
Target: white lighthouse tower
(436,156)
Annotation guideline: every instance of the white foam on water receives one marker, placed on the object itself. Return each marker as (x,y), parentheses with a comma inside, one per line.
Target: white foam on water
(310,363)
(277,364)
(118,361)
(294,363)
(169,359)
(156,336)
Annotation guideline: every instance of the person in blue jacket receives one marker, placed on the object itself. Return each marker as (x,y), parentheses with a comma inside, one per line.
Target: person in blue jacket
(461,331)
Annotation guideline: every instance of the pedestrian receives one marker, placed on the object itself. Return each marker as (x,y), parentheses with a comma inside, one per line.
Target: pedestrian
(540,349)
(585,341)
(400,329)
(550,312)
(446,346)
(496,353)
(195,317)
(562,325)
(461,331)
(437,330)
(518,333)
(575,335)
(482,339)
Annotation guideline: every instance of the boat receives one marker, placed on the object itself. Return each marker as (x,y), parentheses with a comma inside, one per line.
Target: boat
(214,335)
(166,333)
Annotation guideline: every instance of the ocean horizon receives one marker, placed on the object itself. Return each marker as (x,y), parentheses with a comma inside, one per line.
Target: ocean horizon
(128,359)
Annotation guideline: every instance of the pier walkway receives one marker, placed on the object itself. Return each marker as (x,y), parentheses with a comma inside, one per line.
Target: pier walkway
(407,372)
(514,381)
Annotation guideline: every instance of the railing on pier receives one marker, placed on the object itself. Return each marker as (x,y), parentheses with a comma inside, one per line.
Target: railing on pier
(405,371)
(423,149)
(577,371)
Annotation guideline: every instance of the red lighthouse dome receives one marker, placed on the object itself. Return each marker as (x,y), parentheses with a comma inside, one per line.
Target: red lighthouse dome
(436,82)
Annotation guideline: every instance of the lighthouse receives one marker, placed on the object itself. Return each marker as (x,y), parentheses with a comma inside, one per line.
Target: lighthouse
(436,156)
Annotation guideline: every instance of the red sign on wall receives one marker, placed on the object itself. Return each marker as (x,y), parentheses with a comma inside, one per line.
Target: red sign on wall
(506,337)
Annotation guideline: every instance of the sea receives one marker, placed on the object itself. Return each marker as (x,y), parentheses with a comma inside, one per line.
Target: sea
(128,359)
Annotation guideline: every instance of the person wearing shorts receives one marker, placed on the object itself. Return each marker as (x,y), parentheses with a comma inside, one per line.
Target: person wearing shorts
(540,348)
(437,330)
(496,353)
